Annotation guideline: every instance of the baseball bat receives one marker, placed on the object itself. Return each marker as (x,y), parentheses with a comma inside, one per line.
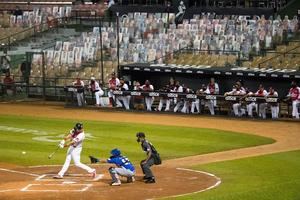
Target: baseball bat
(50,156)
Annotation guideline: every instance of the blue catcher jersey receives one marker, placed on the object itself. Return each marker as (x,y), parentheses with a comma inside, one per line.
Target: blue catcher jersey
(121,161)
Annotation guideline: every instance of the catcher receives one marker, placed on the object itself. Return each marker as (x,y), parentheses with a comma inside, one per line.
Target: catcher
(123,167)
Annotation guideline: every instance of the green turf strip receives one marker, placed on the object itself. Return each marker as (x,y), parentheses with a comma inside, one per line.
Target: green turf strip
(270,177)
(171,142)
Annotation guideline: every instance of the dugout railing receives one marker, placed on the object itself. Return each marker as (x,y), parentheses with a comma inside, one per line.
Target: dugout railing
(67,94)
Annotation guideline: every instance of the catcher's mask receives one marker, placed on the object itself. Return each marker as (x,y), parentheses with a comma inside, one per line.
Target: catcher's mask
(140,135)
(115,152)
(78,126)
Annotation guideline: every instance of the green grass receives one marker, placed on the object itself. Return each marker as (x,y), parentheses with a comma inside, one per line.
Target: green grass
(171,142)
(270,177)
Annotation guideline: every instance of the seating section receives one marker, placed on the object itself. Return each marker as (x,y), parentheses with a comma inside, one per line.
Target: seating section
(213,60)
(284,57)
(144,37)
(204,40)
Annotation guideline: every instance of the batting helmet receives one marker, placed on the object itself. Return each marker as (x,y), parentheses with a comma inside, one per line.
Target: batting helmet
(115,152)
(78,126)
(140,135)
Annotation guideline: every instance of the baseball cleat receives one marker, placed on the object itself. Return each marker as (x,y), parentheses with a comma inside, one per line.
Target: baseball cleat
(152,180)
(130,179)
(57,177)
(94,174)
(116,183)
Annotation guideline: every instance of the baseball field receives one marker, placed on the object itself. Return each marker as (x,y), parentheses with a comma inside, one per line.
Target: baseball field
(208,158)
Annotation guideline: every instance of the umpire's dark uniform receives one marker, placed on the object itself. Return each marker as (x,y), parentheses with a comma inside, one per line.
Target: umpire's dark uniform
(147,163)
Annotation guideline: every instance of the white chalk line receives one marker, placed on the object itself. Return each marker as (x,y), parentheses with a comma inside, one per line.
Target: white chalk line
(218,182)
(40,166)
(18,172)
(68,177)
(85,188)
(8,190)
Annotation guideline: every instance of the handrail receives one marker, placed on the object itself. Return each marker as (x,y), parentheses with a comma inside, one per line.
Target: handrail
(280,54)
(62,19)
(191,50)
(34,28)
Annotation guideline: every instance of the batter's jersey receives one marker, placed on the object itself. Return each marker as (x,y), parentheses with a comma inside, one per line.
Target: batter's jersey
(78,138)
(121,161)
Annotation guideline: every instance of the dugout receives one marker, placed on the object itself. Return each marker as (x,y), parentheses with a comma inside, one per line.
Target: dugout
(159,76)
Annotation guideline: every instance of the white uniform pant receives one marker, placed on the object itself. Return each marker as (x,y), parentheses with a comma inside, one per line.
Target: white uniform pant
(73,153)
(149,102)
(98,96)
(262,108)
(196,104)
(162,102)
(125,100)
(210,104)
(124,172)
(295,105)
(238,110)
(80,99)
(178,105)
(186,107)
(275,112)
(250,108)
(111,94)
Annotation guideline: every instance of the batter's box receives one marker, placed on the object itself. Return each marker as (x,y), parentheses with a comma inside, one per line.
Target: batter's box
(56,187)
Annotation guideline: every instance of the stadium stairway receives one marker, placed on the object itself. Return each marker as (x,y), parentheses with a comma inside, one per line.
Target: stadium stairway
(42,41)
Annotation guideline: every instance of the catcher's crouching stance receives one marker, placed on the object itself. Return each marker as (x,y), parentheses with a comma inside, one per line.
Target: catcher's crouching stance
(123,167)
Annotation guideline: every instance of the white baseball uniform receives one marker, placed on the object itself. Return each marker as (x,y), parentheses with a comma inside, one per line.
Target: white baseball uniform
(237,107)
(79,92)
(112,84)
(294,93)
(163,101)
(262,106)
(148,100)
(96,89)
(214,89)
(178,101)
(274,107)
(124,99)
(73,153)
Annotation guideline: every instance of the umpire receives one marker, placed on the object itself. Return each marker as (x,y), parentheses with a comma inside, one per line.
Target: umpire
(152,157)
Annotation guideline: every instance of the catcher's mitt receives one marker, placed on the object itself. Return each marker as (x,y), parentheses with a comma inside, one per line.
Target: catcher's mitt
(94,160)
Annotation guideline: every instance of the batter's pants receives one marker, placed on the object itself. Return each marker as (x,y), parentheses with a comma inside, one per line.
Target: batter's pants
(146,168)
(74,154)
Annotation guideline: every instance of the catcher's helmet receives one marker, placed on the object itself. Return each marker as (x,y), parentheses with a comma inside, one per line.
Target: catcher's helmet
(78,126)
(140,135)
(115,152)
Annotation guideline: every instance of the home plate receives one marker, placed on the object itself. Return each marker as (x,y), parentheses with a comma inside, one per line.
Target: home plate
(68,182)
